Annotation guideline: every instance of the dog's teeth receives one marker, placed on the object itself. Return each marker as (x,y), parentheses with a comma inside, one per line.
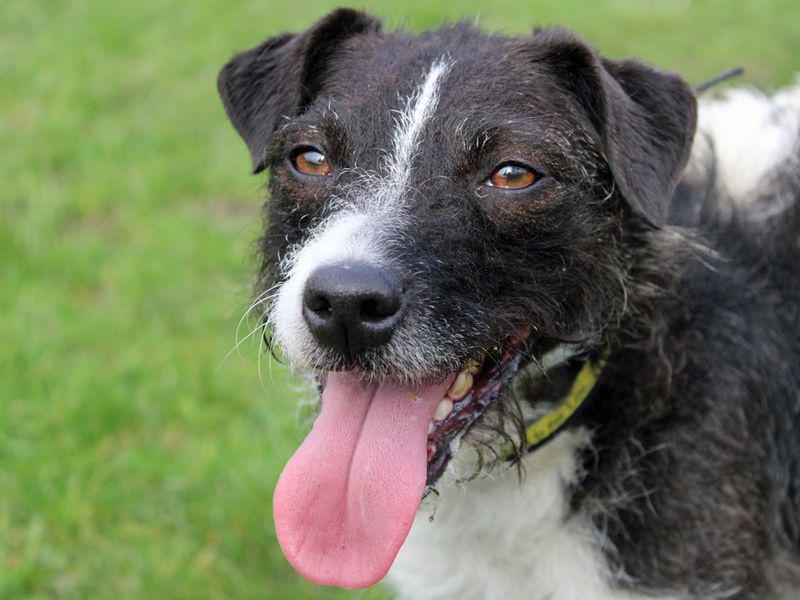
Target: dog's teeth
(445,408)
(460,387)
(473,366)
(430,428)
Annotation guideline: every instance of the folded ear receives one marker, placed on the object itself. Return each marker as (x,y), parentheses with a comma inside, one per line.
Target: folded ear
(281,77)
(645,118)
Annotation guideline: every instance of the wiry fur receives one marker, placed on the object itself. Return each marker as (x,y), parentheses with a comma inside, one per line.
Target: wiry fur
(681,478)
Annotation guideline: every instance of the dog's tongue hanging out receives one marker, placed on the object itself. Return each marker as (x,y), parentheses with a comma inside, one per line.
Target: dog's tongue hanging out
(347,498)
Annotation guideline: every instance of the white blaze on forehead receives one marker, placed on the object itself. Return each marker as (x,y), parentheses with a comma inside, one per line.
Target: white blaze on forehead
(410,122)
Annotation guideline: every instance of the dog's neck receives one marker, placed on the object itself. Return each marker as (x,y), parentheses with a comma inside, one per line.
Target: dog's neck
(543,428)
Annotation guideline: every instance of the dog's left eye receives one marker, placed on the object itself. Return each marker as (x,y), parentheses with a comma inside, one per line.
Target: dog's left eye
(310,161)
(511,176)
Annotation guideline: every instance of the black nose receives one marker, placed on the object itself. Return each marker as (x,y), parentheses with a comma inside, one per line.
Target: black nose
(352,307)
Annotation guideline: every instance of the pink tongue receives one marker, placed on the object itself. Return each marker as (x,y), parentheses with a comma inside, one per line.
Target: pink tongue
(347,498)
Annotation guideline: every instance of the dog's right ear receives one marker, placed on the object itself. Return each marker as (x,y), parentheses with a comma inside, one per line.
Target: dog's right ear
(281,77)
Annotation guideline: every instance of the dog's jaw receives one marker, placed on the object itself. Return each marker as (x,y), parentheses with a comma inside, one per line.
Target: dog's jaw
(347,498)
(473,391)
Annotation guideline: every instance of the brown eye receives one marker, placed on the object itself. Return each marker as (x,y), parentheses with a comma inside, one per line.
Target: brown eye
(311,162)
(512,177)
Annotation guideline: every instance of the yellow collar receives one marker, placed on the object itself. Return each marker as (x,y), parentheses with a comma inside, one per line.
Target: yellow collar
(546,426)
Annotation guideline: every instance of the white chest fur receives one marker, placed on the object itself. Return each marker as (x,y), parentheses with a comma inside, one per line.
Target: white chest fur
(505,539)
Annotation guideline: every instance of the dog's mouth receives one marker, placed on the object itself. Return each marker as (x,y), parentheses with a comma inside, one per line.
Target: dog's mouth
(473,390)
(346,500)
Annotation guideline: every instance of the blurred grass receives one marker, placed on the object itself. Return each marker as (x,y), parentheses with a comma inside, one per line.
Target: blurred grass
(135,462)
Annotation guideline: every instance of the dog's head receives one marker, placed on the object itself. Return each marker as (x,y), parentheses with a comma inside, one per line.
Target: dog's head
(445,209)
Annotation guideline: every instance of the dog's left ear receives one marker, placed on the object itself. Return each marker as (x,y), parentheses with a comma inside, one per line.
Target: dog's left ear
(644,117)
(281,77)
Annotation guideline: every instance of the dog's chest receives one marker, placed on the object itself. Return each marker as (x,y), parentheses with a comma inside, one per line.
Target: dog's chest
(497,538)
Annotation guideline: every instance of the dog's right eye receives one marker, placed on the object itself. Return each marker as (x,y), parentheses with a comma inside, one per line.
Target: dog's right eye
(310,161)
(511,176)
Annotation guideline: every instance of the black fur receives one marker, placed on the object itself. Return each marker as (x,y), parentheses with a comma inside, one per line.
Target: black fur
(695,467)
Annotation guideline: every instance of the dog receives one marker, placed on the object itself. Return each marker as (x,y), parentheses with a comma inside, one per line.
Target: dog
(554,361)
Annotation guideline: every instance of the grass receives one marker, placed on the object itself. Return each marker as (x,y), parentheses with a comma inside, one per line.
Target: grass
(135,460)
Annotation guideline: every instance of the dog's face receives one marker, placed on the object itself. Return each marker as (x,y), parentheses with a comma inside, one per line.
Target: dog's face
(445,209)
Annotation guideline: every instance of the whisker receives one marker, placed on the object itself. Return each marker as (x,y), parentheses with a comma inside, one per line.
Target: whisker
(260,351)
(263,298)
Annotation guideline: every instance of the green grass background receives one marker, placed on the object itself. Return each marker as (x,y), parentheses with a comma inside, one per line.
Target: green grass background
(135,461)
